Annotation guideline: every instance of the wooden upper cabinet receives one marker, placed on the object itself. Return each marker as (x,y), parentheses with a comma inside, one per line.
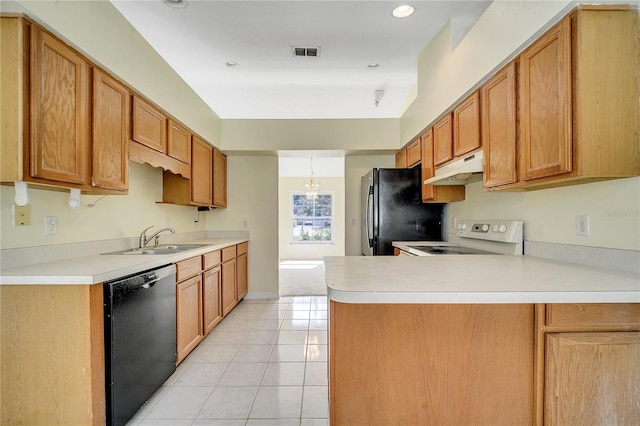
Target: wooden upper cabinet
(179,142)
(545,104)
(442,140)
(499,128)
(149,125)
(111,118)
(414,152)
(201,172)
(466,125)
(401,159)
(59,111)
(219,179)
(428,191)
(432,193)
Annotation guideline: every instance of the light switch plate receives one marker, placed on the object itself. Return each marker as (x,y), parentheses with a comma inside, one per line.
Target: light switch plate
(21,215)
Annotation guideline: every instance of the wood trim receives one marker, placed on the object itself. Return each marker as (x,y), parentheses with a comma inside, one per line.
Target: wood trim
(142,154)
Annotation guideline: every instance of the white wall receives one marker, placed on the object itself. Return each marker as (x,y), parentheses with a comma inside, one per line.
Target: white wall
(356,166)
(114,216)
(253,196)
(341,135)
(613,208)
(306,251)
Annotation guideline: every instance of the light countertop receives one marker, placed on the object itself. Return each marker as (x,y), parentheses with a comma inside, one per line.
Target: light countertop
(474,279)
(99,268)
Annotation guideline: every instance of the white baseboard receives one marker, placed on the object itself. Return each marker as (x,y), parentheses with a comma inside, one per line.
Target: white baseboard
(251,295)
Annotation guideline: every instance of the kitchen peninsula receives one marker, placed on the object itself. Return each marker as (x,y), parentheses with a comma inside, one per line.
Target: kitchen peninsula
(496,340)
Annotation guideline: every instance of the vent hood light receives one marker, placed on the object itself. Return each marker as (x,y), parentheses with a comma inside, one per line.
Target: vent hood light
(458,171)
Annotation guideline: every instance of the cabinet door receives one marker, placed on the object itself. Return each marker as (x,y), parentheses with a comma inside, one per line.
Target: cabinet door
(201,164)
(229,296)
(442,141)
(188,315)
(59,105)
(211,303)
(219,179)
(414,153)
(592,378)
(466,125)
(499,128)
(243,278)
(179,142)
(428,191)
(149,125)
(111,112)
(545,105)
(401,159)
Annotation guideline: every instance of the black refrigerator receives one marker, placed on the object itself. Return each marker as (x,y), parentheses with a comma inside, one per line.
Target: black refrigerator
(392,210)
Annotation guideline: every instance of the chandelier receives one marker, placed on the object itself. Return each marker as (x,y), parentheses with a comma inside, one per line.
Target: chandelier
(311,187)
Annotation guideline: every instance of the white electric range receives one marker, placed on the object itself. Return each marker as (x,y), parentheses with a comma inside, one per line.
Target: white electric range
(483,236)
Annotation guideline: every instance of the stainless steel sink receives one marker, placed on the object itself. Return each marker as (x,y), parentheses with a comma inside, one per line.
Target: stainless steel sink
(163,249)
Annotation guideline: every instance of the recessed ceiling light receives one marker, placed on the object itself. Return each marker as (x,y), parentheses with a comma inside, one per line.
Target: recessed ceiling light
(403,11)
(373,65)
(179,4)
(231,64)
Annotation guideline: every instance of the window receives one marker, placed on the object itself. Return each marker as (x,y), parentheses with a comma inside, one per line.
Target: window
(312,217)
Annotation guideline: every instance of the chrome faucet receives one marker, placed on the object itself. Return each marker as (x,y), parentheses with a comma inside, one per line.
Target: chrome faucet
(144,240)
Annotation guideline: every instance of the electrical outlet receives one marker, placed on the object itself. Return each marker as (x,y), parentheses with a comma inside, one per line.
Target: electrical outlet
(21,215)
(50,225)
(582,225)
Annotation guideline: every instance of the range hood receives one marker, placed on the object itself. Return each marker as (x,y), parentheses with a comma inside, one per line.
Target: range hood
(458,171)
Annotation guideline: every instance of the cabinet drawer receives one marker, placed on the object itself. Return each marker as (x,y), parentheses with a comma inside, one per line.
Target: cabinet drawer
(242,248)
(188,268)
(566,314)
(209,260)
(228,253)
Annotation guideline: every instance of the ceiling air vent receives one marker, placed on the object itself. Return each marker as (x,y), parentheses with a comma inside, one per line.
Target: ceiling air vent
(306,51)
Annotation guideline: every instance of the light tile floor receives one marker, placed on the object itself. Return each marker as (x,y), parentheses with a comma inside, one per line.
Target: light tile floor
(264,364)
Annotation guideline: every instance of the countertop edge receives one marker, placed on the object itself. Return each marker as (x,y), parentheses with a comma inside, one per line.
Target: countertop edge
(384,297)
(127,266)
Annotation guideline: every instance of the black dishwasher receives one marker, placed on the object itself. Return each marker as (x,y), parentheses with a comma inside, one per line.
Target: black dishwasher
(140,339)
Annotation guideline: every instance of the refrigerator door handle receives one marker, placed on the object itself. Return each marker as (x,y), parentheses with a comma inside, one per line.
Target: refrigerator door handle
(369,216)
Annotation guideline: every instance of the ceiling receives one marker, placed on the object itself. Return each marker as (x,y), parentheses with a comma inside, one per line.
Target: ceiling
(269,82)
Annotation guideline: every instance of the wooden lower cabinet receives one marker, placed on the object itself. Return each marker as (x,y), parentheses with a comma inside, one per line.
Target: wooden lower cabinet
(242,265)
(587,369)
(592,378)
(188,315)
(208,288)
(424,364)
(229,292)
(212,308)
